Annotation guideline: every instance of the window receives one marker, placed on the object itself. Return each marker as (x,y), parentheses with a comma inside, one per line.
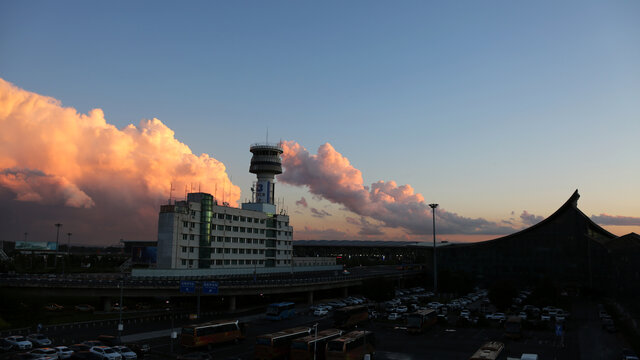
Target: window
(241,251)
(193,224)
(243,219)
(220,239)
(235,229)
(255,251)
(218,262)
(234,262)
(184,262)
(226,250)
(220,227)
(261,251)
(256,220)
(191,237)
(242,229)
(235,240)
(261,262)
(241,262)
(185,223)
(234,251)
(184,249)
(227,239)
(249,230)
(255,262)
(228,217)
(190,262)
(193,213)
(241,240)
(226,262)
(184,236)
(227,228)
(261,241)
(219,251)
(220,216)
(261,231)
(235,218)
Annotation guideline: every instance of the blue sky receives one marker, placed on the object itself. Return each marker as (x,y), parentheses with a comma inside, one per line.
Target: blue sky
(485,107)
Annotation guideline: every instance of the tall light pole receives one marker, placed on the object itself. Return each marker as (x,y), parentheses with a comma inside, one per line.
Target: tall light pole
(435,268)
(315,342)
(55,261)
(120,325)
(68,243)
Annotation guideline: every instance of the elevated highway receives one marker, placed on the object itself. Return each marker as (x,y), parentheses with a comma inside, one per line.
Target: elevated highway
(107,286)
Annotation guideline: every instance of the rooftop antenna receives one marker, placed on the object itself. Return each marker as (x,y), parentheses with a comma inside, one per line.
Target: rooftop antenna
(267,135)
(171,188)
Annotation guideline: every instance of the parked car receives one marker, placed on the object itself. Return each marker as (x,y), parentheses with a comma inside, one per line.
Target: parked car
(195,356)
(320,312)
(53,307)
(629,355)
(79,347)
(523,315)
(20,342)
(39,340)
(45,352)
(63,352)
(125,352)
(394,316)
(5,346)
(106,352)
(84,308)
(402,309)
(92,343)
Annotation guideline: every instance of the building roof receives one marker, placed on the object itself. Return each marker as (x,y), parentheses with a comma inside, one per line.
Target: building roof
(358,243)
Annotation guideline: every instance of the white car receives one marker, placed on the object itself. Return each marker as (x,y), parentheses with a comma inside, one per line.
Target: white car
(106,352)
(39,340)
(465,313)
(320,312)
(20,342)
(523,315)
(394,316)
(63,352)
(125,352)
(44,352)
(402,309)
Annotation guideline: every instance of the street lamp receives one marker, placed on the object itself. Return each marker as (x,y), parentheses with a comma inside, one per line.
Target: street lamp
(55,261)
(435,268)
(120,325)
(68,243)
(315,342)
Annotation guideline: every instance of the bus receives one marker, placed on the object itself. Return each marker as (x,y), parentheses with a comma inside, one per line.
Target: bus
(211,333)
(304,348)
(349,316)
(489,351)
(513,327)
(421,320)
(279,311)
(351,346)
(278,345)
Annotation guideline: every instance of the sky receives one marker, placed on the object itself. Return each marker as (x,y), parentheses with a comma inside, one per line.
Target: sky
(495,110)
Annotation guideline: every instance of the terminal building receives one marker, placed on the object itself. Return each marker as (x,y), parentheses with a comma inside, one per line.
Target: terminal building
(201,233)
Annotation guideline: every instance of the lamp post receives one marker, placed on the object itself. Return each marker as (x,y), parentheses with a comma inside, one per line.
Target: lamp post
(55,261)
(315,342)
(435,267)
(68,244)
(120,325)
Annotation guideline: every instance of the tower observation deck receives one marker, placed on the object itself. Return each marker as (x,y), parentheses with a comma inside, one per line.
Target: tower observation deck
(266,164)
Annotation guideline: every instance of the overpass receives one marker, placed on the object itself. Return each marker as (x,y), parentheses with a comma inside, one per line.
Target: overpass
(107,286)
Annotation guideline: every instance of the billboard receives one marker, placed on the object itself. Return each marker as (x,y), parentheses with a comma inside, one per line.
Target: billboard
(36,245)
(144,254)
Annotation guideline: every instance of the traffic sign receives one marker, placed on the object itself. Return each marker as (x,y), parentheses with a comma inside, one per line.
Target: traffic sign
(210,287)
(188,287)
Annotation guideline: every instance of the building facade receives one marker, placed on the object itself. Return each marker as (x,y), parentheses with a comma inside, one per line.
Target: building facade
(200,233)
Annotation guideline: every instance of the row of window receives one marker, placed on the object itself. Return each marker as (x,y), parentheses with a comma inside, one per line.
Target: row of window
(236,251)
(238,262)
(229,239)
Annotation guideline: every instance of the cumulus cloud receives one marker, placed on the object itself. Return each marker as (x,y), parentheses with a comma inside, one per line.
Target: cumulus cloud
(53,155)
(530,219)
(367,228)
(319,213)
(604,219)
(330,175)
(302,202)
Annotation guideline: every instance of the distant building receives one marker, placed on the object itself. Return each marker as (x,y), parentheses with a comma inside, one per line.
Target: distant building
(200,233)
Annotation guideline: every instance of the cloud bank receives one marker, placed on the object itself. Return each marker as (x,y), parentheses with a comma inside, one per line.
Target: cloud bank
(330,175)
(53,155)
(604,219)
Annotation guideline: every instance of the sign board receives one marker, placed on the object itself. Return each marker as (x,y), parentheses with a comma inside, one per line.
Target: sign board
(36,245)
(210,287)
(188,287)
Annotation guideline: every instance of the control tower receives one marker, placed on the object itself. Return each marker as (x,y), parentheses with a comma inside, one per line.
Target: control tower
(266,164)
